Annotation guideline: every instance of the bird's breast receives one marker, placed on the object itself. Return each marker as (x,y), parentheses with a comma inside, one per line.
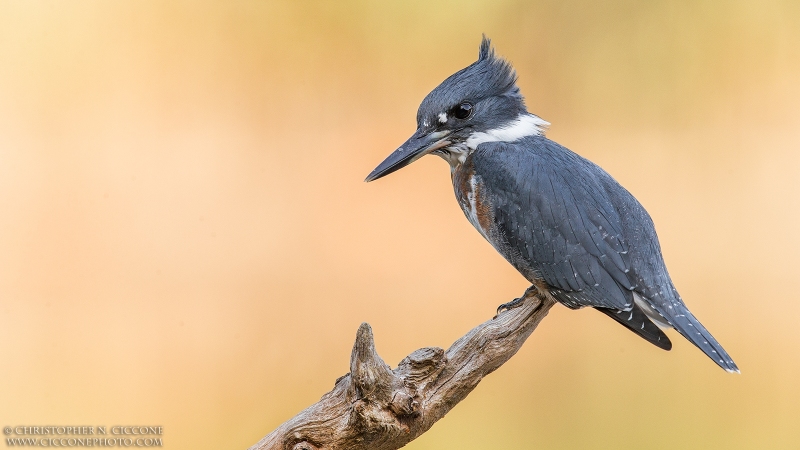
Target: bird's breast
(473,199)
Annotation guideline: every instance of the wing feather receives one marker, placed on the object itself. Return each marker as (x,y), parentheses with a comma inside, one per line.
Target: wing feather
(560,225)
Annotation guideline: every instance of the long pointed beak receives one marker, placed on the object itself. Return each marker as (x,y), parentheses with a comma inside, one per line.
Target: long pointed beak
(413,149)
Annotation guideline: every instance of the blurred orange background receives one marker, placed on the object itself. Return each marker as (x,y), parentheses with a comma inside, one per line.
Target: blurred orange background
(186,239)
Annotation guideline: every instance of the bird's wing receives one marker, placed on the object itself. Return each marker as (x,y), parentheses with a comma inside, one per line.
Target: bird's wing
(553,214)
(638,322)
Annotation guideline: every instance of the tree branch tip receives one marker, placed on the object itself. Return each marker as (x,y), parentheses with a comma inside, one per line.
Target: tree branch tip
(370,376)
(363,348)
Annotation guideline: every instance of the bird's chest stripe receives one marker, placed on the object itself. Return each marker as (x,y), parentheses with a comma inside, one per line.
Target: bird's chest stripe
(474,202)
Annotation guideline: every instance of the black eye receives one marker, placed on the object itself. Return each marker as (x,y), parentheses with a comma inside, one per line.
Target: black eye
(463,111)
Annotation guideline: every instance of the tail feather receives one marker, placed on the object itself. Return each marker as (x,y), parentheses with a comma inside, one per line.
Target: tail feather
(691,328)
(638,322)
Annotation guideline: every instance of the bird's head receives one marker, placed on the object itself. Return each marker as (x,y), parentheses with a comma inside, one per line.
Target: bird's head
(477,104)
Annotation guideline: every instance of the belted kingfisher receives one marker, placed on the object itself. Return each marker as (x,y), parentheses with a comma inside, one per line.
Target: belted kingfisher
(563,222)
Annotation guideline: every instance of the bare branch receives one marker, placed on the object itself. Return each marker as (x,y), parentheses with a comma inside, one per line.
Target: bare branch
(378,408)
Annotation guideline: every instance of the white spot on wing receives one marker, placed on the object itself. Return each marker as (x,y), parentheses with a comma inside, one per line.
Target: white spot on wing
(649,311)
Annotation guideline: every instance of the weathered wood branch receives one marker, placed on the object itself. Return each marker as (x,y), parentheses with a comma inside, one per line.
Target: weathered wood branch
(374,407)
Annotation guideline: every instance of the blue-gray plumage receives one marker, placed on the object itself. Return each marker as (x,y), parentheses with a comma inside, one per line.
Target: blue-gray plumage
(563,222)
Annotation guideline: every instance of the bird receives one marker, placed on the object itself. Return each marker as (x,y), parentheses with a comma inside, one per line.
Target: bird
(563,222)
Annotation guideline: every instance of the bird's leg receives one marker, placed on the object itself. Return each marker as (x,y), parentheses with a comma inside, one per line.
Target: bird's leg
(517,301)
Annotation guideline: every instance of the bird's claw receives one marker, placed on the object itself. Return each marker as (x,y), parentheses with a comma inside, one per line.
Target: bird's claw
(510,305)
(531,291)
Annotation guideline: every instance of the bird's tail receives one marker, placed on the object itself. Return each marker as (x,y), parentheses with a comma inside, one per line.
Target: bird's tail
(691,328)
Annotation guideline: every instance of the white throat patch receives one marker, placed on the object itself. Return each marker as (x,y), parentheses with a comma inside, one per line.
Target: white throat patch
(524,125)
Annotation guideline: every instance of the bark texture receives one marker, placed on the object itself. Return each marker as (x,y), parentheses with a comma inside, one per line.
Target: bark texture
(375,407)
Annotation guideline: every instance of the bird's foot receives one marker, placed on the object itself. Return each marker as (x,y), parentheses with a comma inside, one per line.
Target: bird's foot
(531,291)
(510,305)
